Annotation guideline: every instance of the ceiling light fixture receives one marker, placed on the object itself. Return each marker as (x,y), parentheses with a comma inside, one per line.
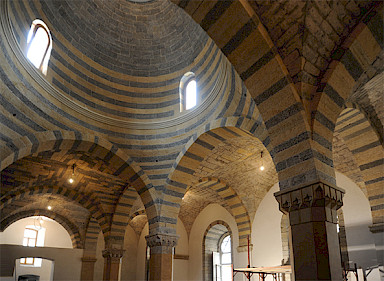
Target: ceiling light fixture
(71,180)
(38,222)
(262,162)
(49,207)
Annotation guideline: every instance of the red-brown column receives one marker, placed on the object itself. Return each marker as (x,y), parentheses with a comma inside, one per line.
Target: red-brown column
(87,268)
(160,262)
(313,221)
(112,263)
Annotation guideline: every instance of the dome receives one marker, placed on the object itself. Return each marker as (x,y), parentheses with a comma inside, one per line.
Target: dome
(120,59)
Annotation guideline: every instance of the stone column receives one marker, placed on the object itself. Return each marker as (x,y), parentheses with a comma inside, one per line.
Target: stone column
(87,268)
(160,261)
(312,214)
(112,263)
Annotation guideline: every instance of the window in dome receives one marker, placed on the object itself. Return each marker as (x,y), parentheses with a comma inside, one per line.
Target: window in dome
(39,45)
(188,92)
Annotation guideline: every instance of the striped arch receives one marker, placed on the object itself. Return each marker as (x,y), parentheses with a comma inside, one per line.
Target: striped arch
(138,220)
(70,227)
(201,144)
(88,201)
(236,207)
(91,235)
(121,216)
(249,48)
(362,141)
(211,239)
(137,213)
(118,162)
(355,59)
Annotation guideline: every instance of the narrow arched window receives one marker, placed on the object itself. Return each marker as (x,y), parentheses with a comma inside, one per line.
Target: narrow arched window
(225,249)
(39,45)
(188,92)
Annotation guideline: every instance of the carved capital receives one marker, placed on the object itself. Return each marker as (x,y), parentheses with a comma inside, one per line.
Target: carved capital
(161,243)
(313,195)
(314,202)
(114,254)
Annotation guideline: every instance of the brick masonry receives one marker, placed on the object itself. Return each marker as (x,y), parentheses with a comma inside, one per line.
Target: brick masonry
(283,73)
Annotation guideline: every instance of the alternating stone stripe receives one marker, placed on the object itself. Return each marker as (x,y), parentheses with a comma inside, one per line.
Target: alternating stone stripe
(121,215)
(70,227)
(118,161)
(182,174)
(210,243)
(88,201)
(91,236)
(357,56)
(236,206)
(368,153)
(359,52)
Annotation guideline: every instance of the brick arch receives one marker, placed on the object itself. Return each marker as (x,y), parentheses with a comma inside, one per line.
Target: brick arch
(361,139)
(354,61)
(70,227)
(121,217)
(119,163)
(91,236)
(201,143)
(236,207)
(249,48)
(88,201)
(137,213)
(215,238)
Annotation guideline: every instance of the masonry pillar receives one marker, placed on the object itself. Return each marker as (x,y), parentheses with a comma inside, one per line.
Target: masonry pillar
(112,263)
(160,261)
(87,268)
(312,214)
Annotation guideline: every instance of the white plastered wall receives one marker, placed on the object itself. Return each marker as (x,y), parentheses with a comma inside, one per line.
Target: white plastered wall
(357,219)
(55,234)
(211,213)
(57,248)
(266,232)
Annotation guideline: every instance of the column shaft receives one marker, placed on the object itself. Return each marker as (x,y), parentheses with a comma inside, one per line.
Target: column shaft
(112,264)
(313,229)
(87,268)
(160,262)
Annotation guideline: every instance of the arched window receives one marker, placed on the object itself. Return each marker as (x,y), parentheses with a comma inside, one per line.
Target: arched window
(225,249)
(39,45)
(188,92)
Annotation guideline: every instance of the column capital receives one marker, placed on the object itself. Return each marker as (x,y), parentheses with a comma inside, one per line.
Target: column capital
(113,253)
(162,243)
(317,194)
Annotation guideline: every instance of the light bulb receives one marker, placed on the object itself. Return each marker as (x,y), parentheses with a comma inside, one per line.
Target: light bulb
(262,168)
(71,180)
(49,208)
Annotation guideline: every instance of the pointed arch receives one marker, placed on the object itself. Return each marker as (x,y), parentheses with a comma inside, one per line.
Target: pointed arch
(236,206)
(70,227)
(120,163)
(204,141)
(88,201)
(356,61)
